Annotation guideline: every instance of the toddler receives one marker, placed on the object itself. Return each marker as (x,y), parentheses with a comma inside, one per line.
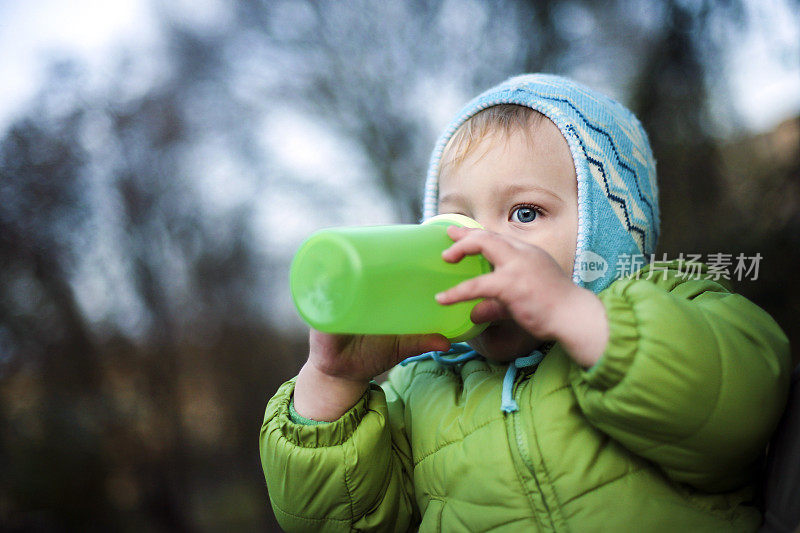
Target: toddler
(593,401)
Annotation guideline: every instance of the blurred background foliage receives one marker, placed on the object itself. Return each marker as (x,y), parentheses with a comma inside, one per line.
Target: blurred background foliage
(147,219)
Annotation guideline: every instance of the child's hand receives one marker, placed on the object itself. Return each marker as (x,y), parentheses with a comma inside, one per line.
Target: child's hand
(529,286)
(362,357)
(340,367)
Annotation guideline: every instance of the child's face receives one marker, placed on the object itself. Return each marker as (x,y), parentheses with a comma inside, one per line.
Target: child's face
(524,187)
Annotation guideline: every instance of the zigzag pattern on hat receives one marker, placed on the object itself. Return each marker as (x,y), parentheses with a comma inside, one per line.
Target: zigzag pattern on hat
(633,219)
(617,202)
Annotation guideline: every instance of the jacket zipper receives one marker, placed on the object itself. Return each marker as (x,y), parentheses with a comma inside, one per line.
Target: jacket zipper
(522,449)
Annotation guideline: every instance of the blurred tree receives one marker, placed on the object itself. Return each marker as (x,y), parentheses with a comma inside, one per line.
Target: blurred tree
(365,69)
(42,209)
(718,195)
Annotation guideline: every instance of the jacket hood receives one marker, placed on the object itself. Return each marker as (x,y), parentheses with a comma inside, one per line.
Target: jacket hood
(618,215)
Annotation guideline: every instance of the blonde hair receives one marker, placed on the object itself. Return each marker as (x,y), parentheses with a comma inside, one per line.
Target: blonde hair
(502,118)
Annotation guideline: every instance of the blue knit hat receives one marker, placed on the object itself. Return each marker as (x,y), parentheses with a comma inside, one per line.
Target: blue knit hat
(617,190)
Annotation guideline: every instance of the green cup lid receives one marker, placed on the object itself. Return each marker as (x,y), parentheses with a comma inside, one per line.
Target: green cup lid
(450,219)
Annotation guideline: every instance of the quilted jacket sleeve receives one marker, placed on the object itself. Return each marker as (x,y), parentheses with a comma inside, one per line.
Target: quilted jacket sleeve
(694,378)
(354,473)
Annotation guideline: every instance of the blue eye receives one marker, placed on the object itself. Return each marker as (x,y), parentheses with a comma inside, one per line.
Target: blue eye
(524,214)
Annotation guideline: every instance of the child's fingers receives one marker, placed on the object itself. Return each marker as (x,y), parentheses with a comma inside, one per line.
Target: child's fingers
(484,286)
(494,248)
(458,232)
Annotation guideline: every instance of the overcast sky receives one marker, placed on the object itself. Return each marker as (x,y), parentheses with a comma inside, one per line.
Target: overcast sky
(765,87)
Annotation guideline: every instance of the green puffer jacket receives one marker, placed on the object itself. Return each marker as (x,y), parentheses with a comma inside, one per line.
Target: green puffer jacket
(662,434)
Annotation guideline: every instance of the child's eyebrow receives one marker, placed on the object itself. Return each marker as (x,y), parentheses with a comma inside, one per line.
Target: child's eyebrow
(511,189)
(506,190)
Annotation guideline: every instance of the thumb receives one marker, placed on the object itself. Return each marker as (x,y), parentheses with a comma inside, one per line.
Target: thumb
(409,345)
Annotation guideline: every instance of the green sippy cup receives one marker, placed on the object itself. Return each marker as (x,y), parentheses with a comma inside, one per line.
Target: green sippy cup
(381,280)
